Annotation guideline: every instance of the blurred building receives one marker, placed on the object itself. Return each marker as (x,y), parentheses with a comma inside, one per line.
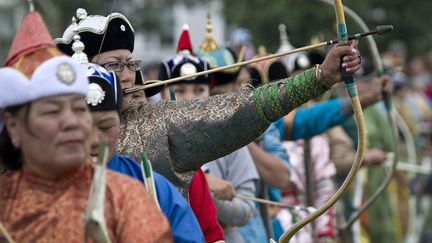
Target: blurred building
(150,45)
(157,45)
(11,12)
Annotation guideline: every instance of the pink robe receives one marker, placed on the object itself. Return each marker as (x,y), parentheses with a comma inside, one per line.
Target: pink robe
(34,209)
(323,171)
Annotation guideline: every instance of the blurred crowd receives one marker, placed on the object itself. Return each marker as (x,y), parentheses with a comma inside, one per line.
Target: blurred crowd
(406,83)
(262,189)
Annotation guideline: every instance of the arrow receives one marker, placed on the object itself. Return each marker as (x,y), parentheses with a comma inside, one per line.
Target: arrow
(153,83)
(358,113)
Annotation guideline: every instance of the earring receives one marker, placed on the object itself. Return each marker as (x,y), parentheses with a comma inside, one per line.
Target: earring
(15,143)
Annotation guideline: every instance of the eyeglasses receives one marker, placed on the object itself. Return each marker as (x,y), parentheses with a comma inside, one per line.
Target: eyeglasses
(119,66)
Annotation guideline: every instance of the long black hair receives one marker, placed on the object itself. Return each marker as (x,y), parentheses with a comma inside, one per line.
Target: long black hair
(10,156)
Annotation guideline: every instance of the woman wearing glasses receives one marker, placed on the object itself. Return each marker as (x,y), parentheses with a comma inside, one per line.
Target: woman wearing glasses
(176,135)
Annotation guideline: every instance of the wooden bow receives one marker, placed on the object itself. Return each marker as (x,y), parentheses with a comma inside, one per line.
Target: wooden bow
(358,113)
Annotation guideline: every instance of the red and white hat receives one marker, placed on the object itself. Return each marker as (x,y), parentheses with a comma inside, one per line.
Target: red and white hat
(185,62)
(36,69)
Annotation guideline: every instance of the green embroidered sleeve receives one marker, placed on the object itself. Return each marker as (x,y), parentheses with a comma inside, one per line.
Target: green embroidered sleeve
(180,137)
(205,130)
(275,100)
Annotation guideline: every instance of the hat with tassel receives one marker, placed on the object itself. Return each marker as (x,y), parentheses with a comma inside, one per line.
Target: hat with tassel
(218,56)
(185,62)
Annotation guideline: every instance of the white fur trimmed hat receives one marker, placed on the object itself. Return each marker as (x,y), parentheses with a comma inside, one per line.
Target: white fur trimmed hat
(57,76)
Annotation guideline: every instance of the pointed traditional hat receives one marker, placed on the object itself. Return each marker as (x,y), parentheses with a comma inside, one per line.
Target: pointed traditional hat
(218,56)
(184,43)
(35,68)
(185,62)
(268,70)
(31,46)
(296,61)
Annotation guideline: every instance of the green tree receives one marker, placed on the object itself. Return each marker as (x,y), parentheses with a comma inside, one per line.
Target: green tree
(307,18)
(303,19)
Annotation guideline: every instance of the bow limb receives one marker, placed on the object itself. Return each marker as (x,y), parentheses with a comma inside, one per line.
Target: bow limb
(377,61)
(411,154)
(94,219)
(310,187)
(352,91)
(407,135)
(4,234)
